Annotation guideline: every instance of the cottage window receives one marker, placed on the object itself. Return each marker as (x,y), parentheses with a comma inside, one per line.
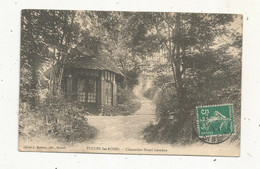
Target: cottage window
(91,89)
(91,97)
(81,96)
(86,90)
(80,90)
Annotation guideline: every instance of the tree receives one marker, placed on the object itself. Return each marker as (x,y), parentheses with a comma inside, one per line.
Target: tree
(200,61)
(61,33)
(33,53)
(186,34)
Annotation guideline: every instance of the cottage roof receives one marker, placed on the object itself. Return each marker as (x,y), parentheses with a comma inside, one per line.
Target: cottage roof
(95,63)
(87,62)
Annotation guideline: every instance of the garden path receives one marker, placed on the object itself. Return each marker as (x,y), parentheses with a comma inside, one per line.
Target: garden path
(118,130)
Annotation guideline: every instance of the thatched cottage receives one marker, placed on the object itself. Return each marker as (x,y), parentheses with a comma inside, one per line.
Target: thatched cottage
(92,81)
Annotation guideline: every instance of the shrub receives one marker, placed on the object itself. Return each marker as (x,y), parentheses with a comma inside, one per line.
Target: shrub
(158,83)
(124,96)
(127,104)
(169,129)
(121,109)
(58,118)
(150,93)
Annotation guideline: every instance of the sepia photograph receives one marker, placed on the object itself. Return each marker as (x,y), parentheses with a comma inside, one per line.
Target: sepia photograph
(123,82)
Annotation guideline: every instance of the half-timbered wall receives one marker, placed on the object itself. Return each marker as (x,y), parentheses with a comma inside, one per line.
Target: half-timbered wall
(91,88)
(108,88)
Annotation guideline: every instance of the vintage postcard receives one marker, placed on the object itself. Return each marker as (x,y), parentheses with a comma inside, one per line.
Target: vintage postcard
(130,82)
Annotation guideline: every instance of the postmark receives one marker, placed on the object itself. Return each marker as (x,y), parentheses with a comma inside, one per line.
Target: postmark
(215,120)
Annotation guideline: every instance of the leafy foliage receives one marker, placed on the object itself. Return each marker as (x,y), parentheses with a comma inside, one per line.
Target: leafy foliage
(127,104)
(57,118)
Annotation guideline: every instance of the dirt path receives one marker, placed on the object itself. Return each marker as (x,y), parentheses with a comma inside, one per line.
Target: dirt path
(124,129)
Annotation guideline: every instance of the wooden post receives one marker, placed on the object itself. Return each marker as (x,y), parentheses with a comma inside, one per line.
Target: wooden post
(102,90)
(114,102)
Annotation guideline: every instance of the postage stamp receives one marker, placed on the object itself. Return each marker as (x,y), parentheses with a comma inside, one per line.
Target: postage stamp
(215,120)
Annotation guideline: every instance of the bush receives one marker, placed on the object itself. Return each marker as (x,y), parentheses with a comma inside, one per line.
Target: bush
(161,132)
(128,109)
(121,109)
(124,96)
(150,93)
(170,130)
(58,118)
(158,83)
(172,127)
(127,104)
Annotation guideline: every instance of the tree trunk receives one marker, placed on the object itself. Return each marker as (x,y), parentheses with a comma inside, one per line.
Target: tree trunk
(33,87)
(55,79)
(177,63)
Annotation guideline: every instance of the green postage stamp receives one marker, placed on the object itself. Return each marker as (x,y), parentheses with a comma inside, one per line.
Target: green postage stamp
(215,120)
